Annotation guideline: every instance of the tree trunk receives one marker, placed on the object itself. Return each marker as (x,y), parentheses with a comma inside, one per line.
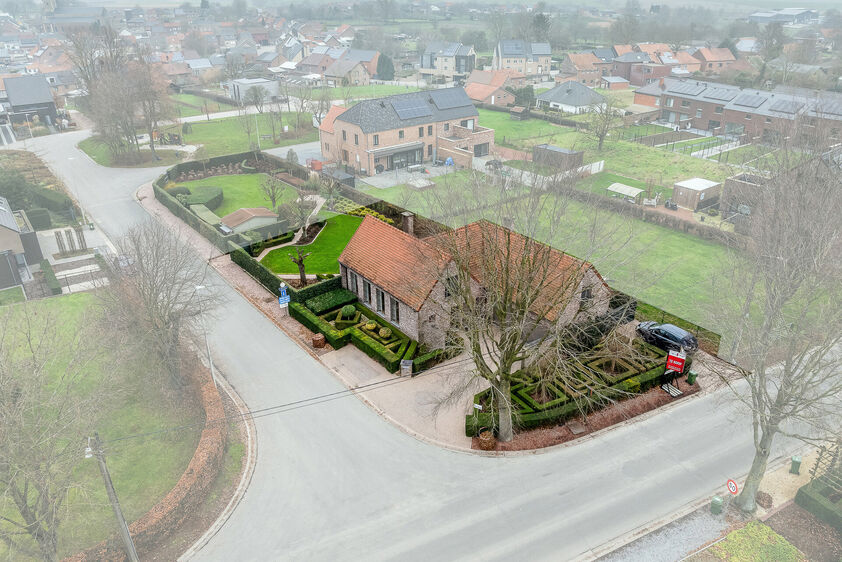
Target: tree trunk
(747,498)
(505,432)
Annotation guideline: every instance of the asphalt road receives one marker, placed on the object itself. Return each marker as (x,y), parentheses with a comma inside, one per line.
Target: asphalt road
(335,482)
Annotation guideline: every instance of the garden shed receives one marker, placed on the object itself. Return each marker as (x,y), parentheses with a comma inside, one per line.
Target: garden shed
(557,157)
(243,220)
(626,191)
(696,193)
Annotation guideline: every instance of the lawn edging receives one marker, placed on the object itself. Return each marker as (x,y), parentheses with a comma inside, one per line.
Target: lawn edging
(189,492)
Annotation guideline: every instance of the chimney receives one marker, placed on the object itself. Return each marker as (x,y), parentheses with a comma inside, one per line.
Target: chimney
(662,83)
(408,222)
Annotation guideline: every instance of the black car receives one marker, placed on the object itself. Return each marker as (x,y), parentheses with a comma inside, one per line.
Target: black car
(667,336)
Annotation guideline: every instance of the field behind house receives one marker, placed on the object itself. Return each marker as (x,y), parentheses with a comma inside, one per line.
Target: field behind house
(239,191)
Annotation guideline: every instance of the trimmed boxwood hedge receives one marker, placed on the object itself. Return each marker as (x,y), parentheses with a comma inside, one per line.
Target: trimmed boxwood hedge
(330,301)
(336,338)
(39,218)
(811,497)
(50,278)
(210,197)
(51,199)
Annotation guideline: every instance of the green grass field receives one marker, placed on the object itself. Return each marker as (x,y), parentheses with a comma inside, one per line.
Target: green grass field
(188,105)
(523,135)
(325,249)
(624,97)
(756,541)
(143,470)
(597,183)
(239,191)
(227,136)
(100,154)
(11,295)
(745,154)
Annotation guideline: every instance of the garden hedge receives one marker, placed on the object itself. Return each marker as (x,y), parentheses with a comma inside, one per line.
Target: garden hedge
(336,338)
(210,197)
(50,278)
(205,214)
(51,199)
(812,497)
(203,228)
(330,301)
(39,218)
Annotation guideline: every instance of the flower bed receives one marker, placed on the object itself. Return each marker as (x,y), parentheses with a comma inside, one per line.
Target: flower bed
(627,377)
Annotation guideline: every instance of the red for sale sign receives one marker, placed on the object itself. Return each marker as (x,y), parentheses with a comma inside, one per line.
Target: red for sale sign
(675,361)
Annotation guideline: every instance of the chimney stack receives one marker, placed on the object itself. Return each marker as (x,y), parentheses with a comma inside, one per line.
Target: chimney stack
(408,222)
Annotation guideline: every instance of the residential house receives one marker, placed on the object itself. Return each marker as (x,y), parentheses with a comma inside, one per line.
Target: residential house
(491,86)
(238,89)
(623,64)
(787,15)
(652,49)
(620,50)
(345,72)
(747,46)
(243,220)
(315,63)
(446,62)
(178,73)
(530,59)
(570,97)
(405,130)
(369,59)
(647,72)
(584,68)
(28,96)
(401,277)
(714,59)
(270,58)
(614,83)
(19,246)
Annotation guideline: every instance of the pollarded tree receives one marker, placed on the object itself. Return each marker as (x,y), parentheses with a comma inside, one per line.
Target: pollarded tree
(785,303)
(272,187)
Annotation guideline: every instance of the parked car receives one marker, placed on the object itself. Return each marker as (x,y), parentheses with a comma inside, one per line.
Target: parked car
(667,336)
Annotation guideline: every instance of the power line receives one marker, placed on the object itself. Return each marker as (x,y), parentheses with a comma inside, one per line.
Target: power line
(289,406)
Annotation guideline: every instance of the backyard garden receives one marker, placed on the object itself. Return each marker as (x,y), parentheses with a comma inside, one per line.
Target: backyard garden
(324,250)
(238,191)
(188,105)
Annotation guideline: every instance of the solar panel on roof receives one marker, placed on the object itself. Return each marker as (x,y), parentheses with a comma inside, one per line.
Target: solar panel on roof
(411,108)
(448,99)
(786,106)
(749,100)
(686,88)
(721,94)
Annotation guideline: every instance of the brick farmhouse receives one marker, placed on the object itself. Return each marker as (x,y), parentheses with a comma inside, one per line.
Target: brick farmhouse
(404,130)
(401,277)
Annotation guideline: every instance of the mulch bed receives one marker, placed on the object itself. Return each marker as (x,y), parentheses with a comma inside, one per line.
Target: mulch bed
(817,540)
(312,231)
(554,435)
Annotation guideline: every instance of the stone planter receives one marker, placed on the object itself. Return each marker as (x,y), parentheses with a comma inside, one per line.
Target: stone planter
(487,441)
(318,341)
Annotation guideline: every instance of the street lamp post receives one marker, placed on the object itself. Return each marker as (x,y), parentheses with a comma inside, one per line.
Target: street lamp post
(201,289)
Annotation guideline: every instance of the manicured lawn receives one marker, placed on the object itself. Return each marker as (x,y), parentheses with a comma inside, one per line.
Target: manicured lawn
(239,191)
(745,154)
(756,542)
(11,296)
(423,202)
(187,105)
(637,131)
(100,154)
(325,249)
(624,97)
(227,136)
(370,91)
(143,470)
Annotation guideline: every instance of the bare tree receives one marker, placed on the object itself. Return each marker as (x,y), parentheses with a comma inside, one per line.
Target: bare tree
(272,188)
(320,104)
(298,259)
(247,124)
(305,100)
(783,299)
(151,92)
(276,121)
(330,191)
(256,96)
(156,297)
(603,117)
(298,212)
(235,67)
(45,407)
(520,305)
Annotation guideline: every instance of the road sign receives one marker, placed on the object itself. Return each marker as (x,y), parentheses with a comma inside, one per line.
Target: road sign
(732,487)
(283,301)
(676,361)
(477,406)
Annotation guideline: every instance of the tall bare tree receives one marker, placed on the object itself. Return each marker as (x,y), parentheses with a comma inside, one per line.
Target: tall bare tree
(272,187)
(247,124)
(518,303)
(156,297)
(783,301)
(602,118)
(297,256)
(257,96)
(45,408)
(152,97)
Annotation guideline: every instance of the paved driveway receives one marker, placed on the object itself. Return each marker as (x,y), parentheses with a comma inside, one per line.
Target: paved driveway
(335,482)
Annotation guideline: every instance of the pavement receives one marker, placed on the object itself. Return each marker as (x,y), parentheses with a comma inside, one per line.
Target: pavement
(402,176)
(333,481)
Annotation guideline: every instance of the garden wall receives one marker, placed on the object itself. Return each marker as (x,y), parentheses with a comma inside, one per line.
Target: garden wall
(152,530)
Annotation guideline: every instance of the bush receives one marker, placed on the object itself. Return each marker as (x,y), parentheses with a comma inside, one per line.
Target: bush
(385,333)
(363,211)
(40,218)
(50,278)
(371,325)
(812,497)
(334,337)
(377,350)
(246,169)
(51,199)
(210,197)
(712,212)
(178,190)
(205,214)
(330,301)
(348,311)
(342,323)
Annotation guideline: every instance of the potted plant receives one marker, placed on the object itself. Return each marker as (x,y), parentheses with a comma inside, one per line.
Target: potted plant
(487,441)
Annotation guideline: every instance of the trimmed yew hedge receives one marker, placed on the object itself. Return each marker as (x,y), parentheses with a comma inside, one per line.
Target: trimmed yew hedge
(811,497)
(50,278)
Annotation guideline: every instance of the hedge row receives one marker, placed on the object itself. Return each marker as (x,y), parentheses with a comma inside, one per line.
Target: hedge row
(51,199)
(330,301)
(200,226)
(708,340)
(812,497)
(39,218)
(205,214)
(50,278)
(530,414)
(210,197)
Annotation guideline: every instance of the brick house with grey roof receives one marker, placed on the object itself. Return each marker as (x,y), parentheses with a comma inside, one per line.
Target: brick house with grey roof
(405,130)
(530,59)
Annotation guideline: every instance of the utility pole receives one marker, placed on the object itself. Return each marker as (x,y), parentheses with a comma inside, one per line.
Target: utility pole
(96,451)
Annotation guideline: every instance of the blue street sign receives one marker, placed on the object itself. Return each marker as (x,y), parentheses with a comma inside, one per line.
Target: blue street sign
(283,291)
(282,300)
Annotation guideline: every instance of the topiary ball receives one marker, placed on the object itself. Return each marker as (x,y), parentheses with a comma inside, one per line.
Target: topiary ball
(385,333)
(370,325)
(348,311)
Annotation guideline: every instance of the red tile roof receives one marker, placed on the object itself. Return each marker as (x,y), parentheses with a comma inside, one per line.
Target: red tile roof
(480,92)
(716,54)
(327,123)
(583,61)
(622,49)
(402,265)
